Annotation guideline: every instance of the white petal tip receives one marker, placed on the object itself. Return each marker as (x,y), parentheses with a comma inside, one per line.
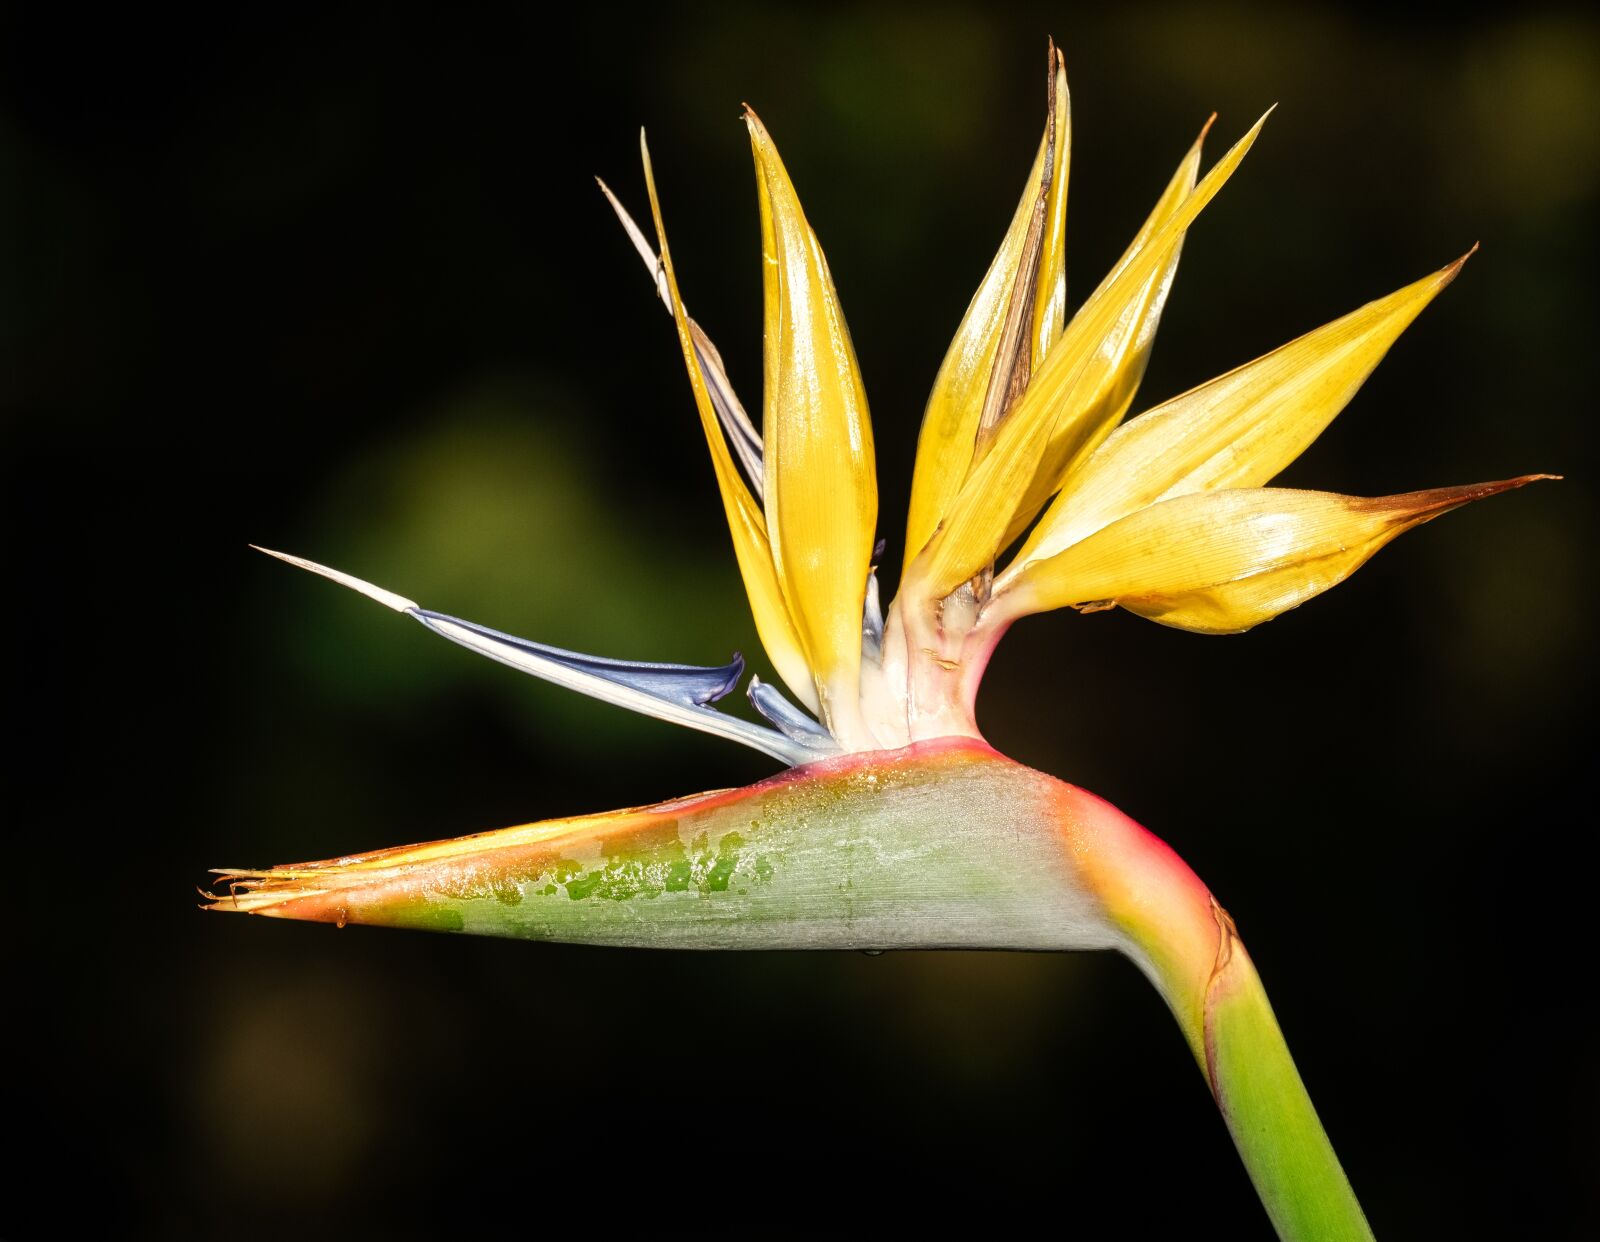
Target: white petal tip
(387,598)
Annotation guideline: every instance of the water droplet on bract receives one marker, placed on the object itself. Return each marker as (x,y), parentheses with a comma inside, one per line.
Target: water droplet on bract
(340,918)
(872,952)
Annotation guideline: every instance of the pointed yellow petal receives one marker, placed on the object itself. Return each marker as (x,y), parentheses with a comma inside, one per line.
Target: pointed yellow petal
(950,422)
(1236,431)
(1105,389)
(750,545)
(1061,406)
(1050,290)
(948,440)
(821,490)
(1220,562)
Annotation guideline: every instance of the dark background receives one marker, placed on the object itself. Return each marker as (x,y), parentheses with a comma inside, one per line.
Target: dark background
(341,284)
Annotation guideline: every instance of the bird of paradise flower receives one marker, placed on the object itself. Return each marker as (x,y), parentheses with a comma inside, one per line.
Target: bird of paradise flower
(896,825)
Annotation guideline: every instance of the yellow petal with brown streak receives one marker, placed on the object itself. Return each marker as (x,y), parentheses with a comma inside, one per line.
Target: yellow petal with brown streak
(948,443)
(1106,388)
(1050,288)
(988,506)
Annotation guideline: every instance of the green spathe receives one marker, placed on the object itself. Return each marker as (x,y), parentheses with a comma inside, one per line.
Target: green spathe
(940,845)
(961,850)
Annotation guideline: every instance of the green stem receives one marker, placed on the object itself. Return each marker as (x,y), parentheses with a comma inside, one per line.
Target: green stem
(1265,1104)
(1179,935)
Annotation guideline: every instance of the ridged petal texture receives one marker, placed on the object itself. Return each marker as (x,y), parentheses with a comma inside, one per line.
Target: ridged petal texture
(821,487)
(949,437)
(751,545)
(1221,562)
(1068,405)
(1106,388)
(1239,430)
(1050,286)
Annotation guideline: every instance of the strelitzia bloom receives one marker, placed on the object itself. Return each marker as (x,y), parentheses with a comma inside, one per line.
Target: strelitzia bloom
(896,825)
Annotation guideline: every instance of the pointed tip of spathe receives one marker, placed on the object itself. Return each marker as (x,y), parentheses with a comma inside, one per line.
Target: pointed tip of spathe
(387,598)
(1206,128)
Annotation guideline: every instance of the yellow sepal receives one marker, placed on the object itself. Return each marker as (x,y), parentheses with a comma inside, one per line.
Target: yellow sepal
(1050,288)
(1219,562)
(1239,430)
(1100,397)
(750,544)
(821,490)
(988,505)
(947,443)
(950,421)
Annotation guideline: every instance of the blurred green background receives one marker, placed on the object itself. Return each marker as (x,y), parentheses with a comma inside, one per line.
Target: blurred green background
(341,284)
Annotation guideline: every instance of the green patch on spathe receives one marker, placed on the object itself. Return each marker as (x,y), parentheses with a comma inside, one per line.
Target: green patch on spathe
(656,861)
